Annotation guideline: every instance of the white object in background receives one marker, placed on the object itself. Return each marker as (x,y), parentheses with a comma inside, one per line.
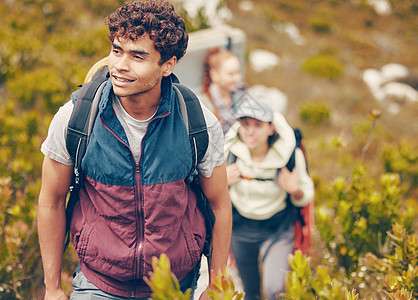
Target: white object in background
(270,95)
(262,60)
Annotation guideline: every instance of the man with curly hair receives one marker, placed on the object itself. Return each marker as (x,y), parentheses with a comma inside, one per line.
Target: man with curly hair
(134,204)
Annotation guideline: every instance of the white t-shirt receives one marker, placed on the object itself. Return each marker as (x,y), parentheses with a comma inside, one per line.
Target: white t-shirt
(55,148)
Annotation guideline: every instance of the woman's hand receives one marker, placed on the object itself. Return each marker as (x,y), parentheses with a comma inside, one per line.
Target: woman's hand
(289,182)
(232,173)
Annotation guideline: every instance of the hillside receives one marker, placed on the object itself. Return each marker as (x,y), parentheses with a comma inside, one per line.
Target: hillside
(47,47)
(359,39)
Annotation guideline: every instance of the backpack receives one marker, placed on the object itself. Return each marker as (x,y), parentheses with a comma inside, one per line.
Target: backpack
(80,126)
(302,230)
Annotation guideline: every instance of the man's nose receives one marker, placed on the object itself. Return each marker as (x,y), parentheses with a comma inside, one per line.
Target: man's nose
(122,63)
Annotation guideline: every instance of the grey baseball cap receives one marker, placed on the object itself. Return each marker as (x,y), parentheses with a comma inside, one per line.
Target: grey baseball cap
(255,109)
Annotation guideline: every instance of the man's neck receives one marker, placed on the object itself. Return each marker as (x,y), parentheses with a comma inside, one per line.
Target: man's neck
(140,108)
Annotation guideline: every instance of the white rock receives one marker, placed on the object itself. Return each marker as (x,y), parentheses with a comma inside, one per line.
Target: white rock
(292,31)
(393,71)
(393,108)
(401,91)
(273,96)
(373,78)
(382,7)
(246,5)
(261,60)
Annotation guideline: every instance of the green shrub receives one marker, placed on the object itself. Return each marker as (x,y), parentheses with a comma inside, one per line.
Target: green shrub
(305,283)
(399,269)
(165,285)
(360,216)
(302,283)
(200,21)
(314,113)
(403,159)
(20,270)
(320,24)
(323,65)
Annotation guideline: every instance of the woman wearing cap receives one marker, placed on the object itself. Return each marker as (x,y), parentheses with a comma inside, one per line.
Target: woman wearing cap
(258,148)
(222,86)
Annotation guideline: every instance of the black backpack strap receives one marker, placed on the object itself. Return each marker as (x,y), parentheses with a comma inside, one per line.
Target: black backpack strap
(82,119)
(194,120)
(292,160)
(198,134)
(78,132)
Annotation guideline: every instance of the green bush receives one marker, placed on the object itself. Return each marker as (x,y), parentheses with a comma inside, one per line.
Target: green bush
(314,113)
(323,65)
(403,159)
(360,216)
(399,268)
(302,283)
(165,285)
(200,21)
(19,187)
(320,24)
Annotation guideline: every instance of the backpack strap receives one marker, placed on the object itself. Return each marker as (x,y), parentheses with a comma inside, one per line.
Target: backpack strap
(82,120)
(195,125)
(194,120)
(78,132)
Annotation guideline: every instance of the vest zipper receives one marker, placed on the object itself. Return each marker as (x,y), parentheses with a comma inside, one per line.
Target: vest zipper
(139,208)
(138,212)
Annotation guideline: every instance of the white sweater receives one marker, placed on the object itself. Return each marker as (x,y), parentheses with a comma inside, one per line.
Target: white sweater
(260,200)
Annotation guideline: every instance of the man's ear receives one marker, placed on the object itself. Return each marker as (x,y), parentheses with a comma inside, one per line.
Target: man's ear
(168,66)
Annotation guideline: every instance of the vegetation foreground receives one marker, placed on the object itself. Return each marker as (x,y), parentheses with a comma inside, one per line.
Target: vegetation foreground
(365,240)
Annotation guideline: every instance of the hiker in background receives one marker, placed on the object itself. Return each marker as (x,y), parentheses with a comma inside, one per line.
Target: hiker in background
(259,150)
(221,85)
(135,203)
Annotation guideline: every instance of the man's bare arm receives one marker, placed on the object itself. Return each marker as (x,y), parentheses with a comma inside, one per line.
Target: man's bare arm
(216,190)
(56,179)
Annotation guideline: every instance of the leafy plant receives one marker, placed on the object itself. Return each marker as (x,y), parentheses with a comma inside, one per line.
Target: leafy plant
(222,287)
(165,285)
(403,159)
(360,217)
(314,113)
(303,284)
(320,24)
(163,282)
(399,268)
(323,65)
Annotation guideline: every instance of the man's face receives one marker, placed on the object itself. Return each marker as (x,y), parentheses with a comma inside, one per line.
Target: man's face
(134,67)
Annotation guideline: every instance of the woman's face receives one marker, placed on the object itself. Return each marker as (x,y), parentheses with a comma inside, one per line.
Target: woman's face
(228,75)
(255,133)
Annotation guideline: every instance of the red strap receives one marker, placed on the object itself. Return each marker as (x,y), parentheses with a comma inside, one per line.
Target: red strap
(303,235)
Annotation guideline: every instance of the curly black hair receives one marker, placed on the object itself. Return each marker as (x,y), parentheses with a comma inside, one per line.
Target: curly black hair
(158,19)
